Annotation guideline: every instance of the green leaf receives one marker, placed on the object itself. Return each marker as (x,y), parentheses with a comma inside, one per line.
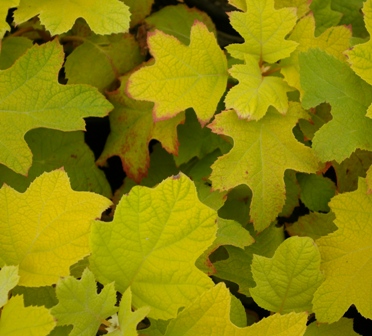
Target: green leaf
(18,320)
(37,296)
(138,9)
(4,7)
(127,320)
(349,96)
(100,60)
(53,149)
(8,280)
(189,82)
(30,92)
(255,92)
(292,193)
(80,305)
(325,16)
(210,315)
(153,243)
(346,261)
(178,20)
(262,151)
(313,225)
(58,16)
(264,29)
(132,128)
(343,327)
(287,282)
(48,228)
(13,48)
(316,191)
(302,6)
(237,267)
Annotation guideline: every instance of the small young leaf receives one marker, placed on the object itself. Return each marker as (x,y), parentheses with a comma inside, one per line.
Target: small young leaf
(152,245)
(346,261)
(262,151)
(264,29)
(58,16)
(48,228)
(16,319)
(8,280)
(197,77)
(287,282)
(80,305)
(29,91)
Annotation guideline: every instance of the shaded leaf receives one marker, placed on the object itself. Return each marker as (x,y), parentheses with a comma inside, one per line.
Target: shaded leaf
(8,280)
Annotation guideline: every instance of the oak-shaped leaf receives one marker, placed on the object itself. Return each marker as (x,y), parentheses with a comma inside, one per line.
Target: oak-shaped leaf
(80,305)
(58,16)
(349,97)
(132,128)
(263,150)
(346,258)
(8,280)
(255,92)
(30,97)
(16,319)
(126,320)
(287,282)
(264,29)
(152,245)
(46,229)
(210,315)
(182,76)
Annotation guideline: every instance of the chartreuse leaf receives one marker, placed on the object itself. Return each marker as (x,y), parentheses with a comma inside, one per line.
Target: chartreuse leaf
(29,91)
(369,179)
(287,282)
(178,20)
(264,29)
(13,48)
(127,320)
(240,4)
(138,9)
(313,225)
(346,261)
(80,305)
(53,149)
(4,7)
(343,327)
(209,315)
(255,92)
(16,319)
(349,96)
(109,17)
(100,60)
(8,280)
(360,56)
(237,267)
(152,245)
(302,6)
(197,77)
(48,228)
(334,41)
(132,128)
(262,151)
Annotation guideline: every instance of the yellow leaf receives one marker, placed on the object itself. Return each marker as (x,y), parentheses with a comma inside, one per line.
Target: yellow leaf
(182,76)
(46,229)
(4,7)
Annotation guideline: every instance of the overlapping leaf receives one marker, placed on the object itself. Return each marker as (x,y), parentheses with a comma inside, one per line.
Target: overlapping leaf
(346,258)
(197,77)
(132,128)
(16,319)
(80,305)
(209,315)
(45,230)
(262,152)
(255,92)
(29,91)
(139,10)
(325,16)
(264,29)
(4,7)
(343,327)
(8,280)
(287,282)
(13,48)
(349,97)
(152,245)
(58,16)
(302,6)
